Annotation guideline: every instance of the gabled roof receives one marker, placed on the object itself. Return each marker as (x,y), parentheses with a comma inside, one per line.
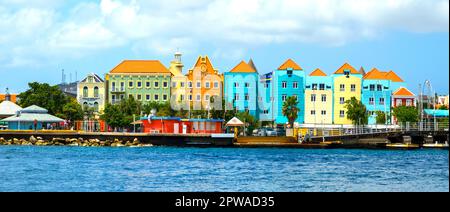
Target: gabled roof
(252,64)
(393,77)
(318,73)
(290,64)
(8,108)
(243,67)
(204,61)
(95,76)
(362,71)
(346,66)
(140,66)
(402,91)
(34,109)
(375,74)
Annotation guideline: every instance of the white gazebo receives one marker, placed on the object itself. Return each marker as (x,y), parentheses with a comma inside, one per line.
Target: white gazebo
(8,109)
(235,122)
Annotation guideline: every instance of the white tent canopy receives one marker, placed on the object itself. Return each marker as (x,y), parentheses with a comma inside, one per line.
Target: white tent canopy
(8,108)
(235,122)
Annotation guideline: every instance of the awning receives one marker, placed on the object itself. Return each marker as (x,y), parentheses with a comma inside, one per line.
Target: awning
(235,122)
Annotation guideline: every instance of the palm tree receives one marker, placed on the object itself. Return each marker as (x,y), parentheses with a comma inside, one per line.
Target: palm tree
(290,109)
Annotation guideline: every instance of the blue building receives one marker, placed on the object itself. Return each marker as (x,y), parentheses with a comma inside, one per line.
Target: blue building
(288,80)
(27,118)
(376,94)
(265,99)
(241,88)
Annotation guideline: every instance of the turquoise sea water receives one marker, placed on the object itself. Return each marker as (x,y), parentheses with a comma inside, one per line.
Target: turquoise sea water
(220,169)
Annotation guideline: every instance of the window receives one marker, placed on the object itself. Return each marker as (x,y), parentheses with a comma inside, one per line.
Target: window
(295,85)
(85,91)
(139,84)
(342,114)
(321,87)
(190,97)
(236,85)
(113,86)
(147,84)
(165,97)
(246,109)
(207,84)
(266,85)
(313,112)
(266,112)
(182,84)
(130,84)
(139,97)
(216,84)
(156,84)
(207,98)
(408,102)
(190,84)
(122,86)
(165,84)
(314,86)
(247,97)
(182,97)
(122,96)
(130,96)
(174,84)
(324,97)
(379,88)
(284,97)
(236,96)
(247,85)
(199,84)
(96,106)
(398,102)
(381,101)
(147,97)
(113,97)
(96,92)
(342,88)
(353,87)
(371,101)
(372,87)
(284,84)
(198,97)
(156,97)
(342,100)
(313,97)
(324,113)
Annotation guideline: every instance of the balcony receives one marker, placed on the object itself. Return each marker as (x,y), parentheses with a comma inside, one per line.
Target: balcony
(117,90)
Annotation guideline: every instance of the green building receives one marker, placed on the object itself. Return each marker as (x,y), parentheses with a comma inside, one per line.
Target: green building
(145,80)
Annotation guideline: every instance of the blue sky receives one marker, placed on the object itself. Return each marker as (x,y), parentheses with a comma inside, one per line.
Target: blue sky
(39,38)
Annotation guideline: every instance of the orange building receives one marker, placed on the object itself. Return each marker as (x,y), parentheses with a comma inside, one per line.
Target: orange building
(204,83)
(11,97)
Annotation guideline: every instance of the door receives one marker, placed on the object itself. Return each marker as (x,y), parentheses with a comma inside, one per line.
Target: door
(176,128)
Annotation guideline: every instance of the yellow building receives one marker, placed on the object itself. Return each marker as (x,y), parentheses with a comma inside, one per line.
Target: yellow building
(318,98)
(91,93)
(346,84)
(204,83)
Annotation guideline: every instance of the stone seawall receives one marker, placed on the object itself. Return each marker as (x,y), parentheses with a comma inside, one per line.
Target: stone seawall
(39,141)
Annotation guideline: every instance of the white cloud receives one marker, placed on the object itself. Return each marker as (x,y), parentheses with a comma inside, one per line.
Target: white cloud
(45,28)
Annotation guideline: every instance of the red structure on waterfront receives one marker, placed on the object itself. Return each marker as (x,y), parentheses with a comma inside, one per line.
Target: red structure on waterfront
(175,125)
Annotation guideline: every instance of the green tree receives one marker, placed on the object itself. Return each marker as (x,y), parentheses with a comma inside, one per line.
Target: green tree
(290,109)
(356,111)
(381,117)
(249,121)
(114,116)
(44,95)
(406,114)
(443,107)
(72,111)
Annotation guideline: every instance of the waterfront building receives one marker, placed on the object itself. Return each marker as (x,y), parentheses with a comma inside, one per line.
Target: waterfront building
(176,125)
(91,93)
(318,98)
(204,83)
(179,82)
(442,101)
(241,88)
(402,97)
(266,101)
(288,80)
(145,80)
(376,94)
(28,118)
(7,109)
(346,84)
(396,81)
